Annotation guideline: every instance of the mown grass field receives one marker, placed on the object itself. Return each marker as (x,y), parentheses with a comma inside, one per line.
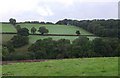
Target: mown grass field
(67,67)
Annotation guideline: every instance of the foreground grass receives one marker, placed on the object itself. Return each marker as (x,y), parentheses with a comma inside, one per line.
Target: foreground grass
(66,67)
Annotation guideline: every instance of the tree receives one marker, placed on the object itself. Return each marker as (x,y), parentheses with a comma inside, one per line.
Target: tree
(99,47)
(12,21)
(7,49)
(10,47)
(49,48)
(33,30)
(78,32)
(39,52)
(81,47)
(19,41)
(43,30)
(23,32)
(117,51)
(18,27)
(5,53)
(62,48)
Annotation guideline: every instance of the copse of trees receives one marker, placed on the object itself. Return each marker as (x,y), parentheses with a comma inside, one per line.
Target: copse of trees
(106,47)
(23,32)
(103,28)
(79,48)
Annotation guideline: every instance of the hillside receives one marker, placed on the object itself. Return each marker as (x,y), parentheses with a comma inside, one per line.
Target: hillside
(53,29)
(67,67)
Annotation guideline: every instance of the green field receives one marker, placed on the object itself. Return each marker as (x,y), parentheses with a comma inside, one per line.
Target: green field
(67,67)
(53,29)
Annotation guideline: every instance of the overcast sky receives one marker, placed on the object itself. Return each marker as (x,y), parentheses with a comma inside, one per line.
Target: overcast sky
(54,10)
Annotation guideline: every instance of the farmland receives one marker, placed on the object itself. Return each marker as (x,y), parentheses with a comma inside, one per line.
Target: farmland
(96,66)
(53,29)
(67,67)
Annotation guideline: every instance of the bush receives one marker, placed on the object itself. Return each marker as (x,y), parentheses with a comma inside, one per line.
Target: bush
(78,32)
(23,32)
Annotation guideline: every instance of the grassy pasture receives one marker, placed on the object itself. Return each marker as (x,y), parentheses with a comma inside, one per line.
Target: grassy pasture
(53,29)
(8,28)
(67,67)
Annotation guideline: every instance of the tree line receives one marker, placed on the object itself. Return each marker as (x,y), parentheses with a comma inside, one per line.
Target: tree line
(32,22)
(60,49)
(103,28)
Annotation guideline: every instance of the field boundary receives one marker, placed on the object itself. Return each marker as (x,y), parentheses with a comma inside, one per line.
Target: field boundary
(48,34)
(27,61)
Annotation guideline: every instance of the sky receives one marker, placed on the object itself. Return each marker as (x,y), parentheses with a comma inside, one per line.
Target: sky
(54,10)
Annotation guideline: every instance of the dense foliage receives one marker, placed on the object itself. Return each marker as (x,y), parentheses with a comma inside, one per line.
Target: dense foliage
(104,28)
(7,49)
(79,48)
(19,41)
(23,32)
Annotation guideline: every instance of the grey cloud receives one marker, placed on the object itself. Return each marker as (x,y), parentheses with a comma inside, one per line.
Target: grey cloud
(78,10)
